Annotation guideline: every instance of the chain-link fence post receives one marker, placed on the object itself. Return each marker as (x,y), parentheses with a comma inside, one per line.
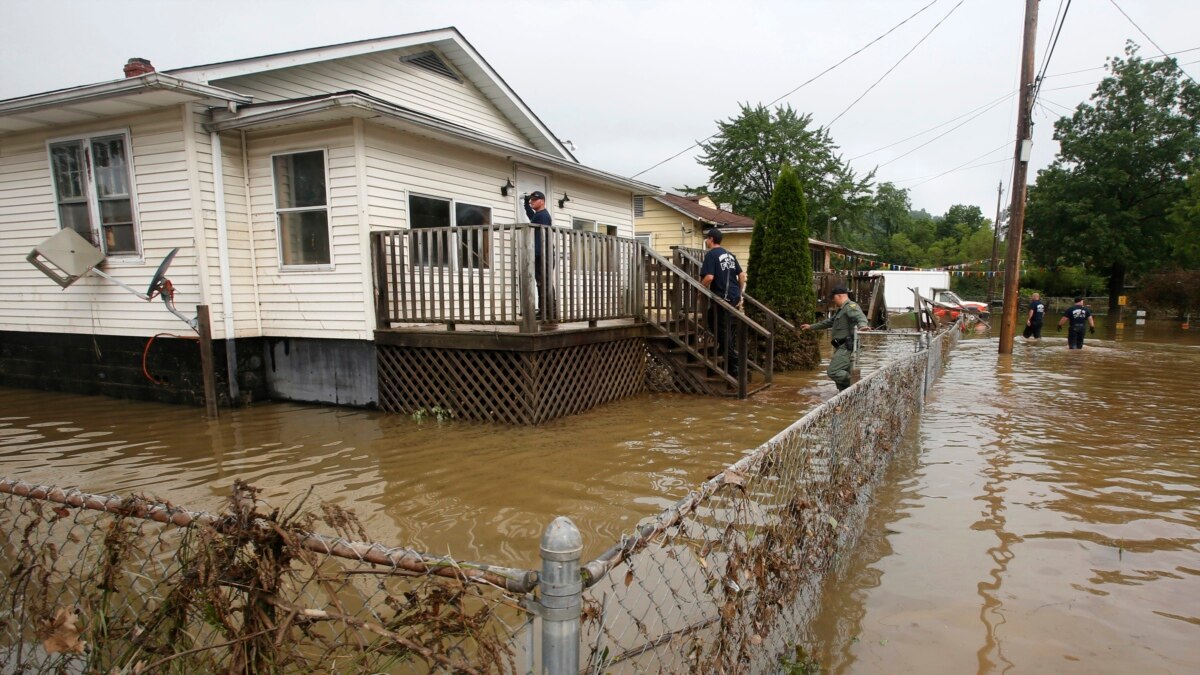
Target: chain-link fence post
(561,590)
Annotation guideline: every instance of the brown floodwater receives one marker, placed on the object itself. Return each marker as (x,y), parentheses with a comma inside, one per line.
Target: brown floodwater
(1046,516)
(480,492)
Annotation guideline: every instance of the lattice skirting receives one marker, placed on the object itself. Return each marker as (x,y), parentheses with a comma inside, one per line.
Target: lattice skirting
(510,386)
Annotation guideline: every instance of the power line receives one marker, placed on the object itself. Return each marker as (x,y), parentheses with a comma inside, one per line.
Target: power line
(960,167)
(1139,29)
(896,65)
(944,133)
(989,105)
(1089,84)
(1062,21)
(1088,70)
(805,83)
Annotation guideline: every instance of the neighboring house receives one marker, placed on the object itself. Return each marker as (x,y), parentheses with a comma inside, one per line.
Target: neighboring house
(272,176)
(668,220)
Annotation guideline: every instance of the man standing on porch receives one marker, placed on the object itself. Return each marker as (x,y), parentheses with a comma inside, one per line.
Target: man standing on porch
(535,210)
(722,275)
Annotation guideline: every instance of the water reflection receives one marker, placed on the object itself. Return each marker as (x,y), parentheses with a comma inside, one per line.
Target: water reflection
(1050,521)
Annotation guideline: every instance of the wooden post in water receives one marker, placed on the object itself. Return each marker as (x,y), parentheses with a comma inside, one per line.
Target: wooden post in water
(204,328)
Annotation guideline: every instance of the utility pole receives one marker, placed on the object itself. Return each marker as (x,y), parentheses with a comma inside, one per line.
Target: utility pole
(995,245)
(1016,213)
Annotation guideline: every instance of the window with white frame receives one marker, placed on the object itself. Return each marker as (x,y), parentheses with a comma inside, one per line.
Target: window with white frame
(302,208)
(646,238)
(93,187)
(433,248)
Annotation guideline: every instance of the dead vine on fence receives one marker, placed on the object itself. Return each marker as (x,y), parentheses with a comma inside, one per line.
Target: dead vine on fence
(106,591)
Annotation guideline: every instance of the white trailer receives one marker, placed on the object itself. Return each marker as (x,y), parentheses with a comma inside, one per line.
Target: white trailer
(898,285)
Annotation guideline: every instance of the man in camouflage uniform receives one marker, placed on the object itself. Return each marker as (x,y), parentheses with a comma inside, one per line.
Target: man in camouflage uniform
(848,317)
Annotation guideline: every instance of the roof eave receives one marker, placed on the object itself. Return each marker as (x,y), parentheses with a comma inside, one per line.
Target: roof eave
(115,88)
(374,107)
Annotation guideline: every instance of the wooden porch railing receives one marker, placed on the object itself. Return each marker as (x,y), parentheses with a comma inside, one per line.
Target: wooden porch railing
(522,275)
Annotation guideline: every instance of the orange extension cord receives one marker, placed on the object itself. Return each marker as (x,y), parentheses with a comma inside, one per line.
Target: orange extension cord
(146,352)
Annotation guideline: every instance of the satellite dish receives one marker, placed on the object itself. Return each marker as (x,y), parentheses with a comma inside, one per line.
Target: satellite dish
(160,275)
(67,257)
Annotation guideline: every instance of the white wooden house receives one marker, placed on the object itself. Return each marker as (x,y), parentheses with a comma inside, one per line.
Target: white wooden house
(270,174)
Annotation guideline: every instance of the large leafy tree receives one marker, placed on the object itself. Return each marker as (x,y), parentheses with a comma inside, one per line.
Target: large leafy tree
(783,275)
(1122,166)
(748,152)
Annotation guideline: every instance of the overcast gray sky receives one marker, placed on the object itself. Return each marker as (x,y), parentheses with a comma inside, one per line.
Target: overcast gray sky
(632,83)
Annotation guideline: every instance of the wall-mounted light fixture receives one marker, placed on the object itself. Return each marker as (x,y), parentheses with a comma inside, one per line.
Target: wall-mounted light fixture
(564,200)
(508,185)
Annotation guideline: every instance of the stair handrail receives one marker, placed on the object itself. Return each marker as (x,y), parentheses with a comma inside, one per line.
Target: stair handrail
(691,254)
(734,311)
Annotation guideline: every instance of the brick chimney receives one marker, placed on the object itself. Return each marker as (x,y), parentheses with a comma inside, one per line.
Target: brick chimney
(135,67)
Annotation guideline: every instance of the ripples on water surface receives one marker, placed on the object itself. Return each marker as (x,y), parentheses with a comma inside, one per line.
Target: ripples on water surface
(480,492)
(1046,517)
(1048,522)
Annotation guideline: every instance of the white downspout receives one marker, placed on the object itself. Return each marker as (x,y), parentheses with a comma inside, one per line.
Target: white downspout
(223,261)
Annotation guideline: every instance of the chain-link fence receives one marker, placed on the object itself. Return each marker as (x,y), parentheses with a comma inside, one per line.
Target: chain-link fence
(107,585)
(726,580)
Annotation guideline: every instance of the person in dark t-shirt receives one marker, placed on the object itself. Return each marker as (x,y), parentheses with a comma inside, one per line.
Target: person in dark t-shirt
(1037,315)
(1081,319)
(535,210)
(722,274)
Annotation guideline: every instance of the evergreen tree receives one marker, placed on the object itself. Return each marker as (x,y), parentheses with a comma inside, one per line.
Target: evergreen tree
(783,275)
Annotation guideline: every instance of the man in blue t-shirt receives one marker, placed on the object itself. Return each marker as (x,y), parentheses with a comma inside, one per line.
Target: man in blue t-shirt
(722,274)
(1037,315)
(1081,320)
(535,210)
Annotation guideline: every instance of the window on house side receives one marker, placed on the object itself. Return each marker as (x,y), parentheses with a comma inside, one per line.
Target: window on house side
(433,249)
(102,195)
(302,208)
(639,207)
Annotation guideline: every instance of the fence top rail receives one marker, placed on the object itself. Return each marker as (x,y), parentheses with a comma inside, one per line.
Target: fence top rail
(642,535)
(402,560)
(492,227)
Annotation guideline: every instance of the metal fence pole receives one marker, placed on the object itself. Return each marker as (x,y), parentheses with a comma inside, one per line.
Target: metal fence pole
(561,597)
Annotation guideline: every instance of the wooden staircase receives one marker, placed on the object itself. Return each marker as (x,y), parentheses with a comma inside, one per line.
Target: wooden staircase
(676,306)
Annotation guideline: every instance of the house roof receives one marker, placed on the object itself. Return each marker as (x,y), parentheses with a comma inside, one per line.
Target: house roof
(115,97)
(448,41)
(732,222)
(347,105)
(690,207)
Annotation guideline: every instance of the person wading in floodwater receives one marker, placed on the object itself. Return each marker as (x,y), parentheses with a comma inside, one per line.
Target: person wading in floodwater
(1037,315)
(845,321)
(1081,320)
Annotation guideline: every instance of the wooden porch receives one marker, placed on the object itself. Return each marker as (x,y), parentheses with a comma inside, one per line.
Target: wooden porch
(526,323)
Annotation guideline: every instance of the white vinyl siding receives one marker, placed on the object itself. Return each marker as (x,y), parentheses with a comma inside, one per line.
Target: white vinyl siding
(386,77)
(608,207)
(398,164)
(306,302)
(31,302)
(237,225)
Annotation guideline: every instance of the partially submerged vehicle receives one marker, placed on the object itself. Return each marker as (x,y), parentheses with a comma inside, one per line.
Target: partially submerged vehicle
(947,306)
